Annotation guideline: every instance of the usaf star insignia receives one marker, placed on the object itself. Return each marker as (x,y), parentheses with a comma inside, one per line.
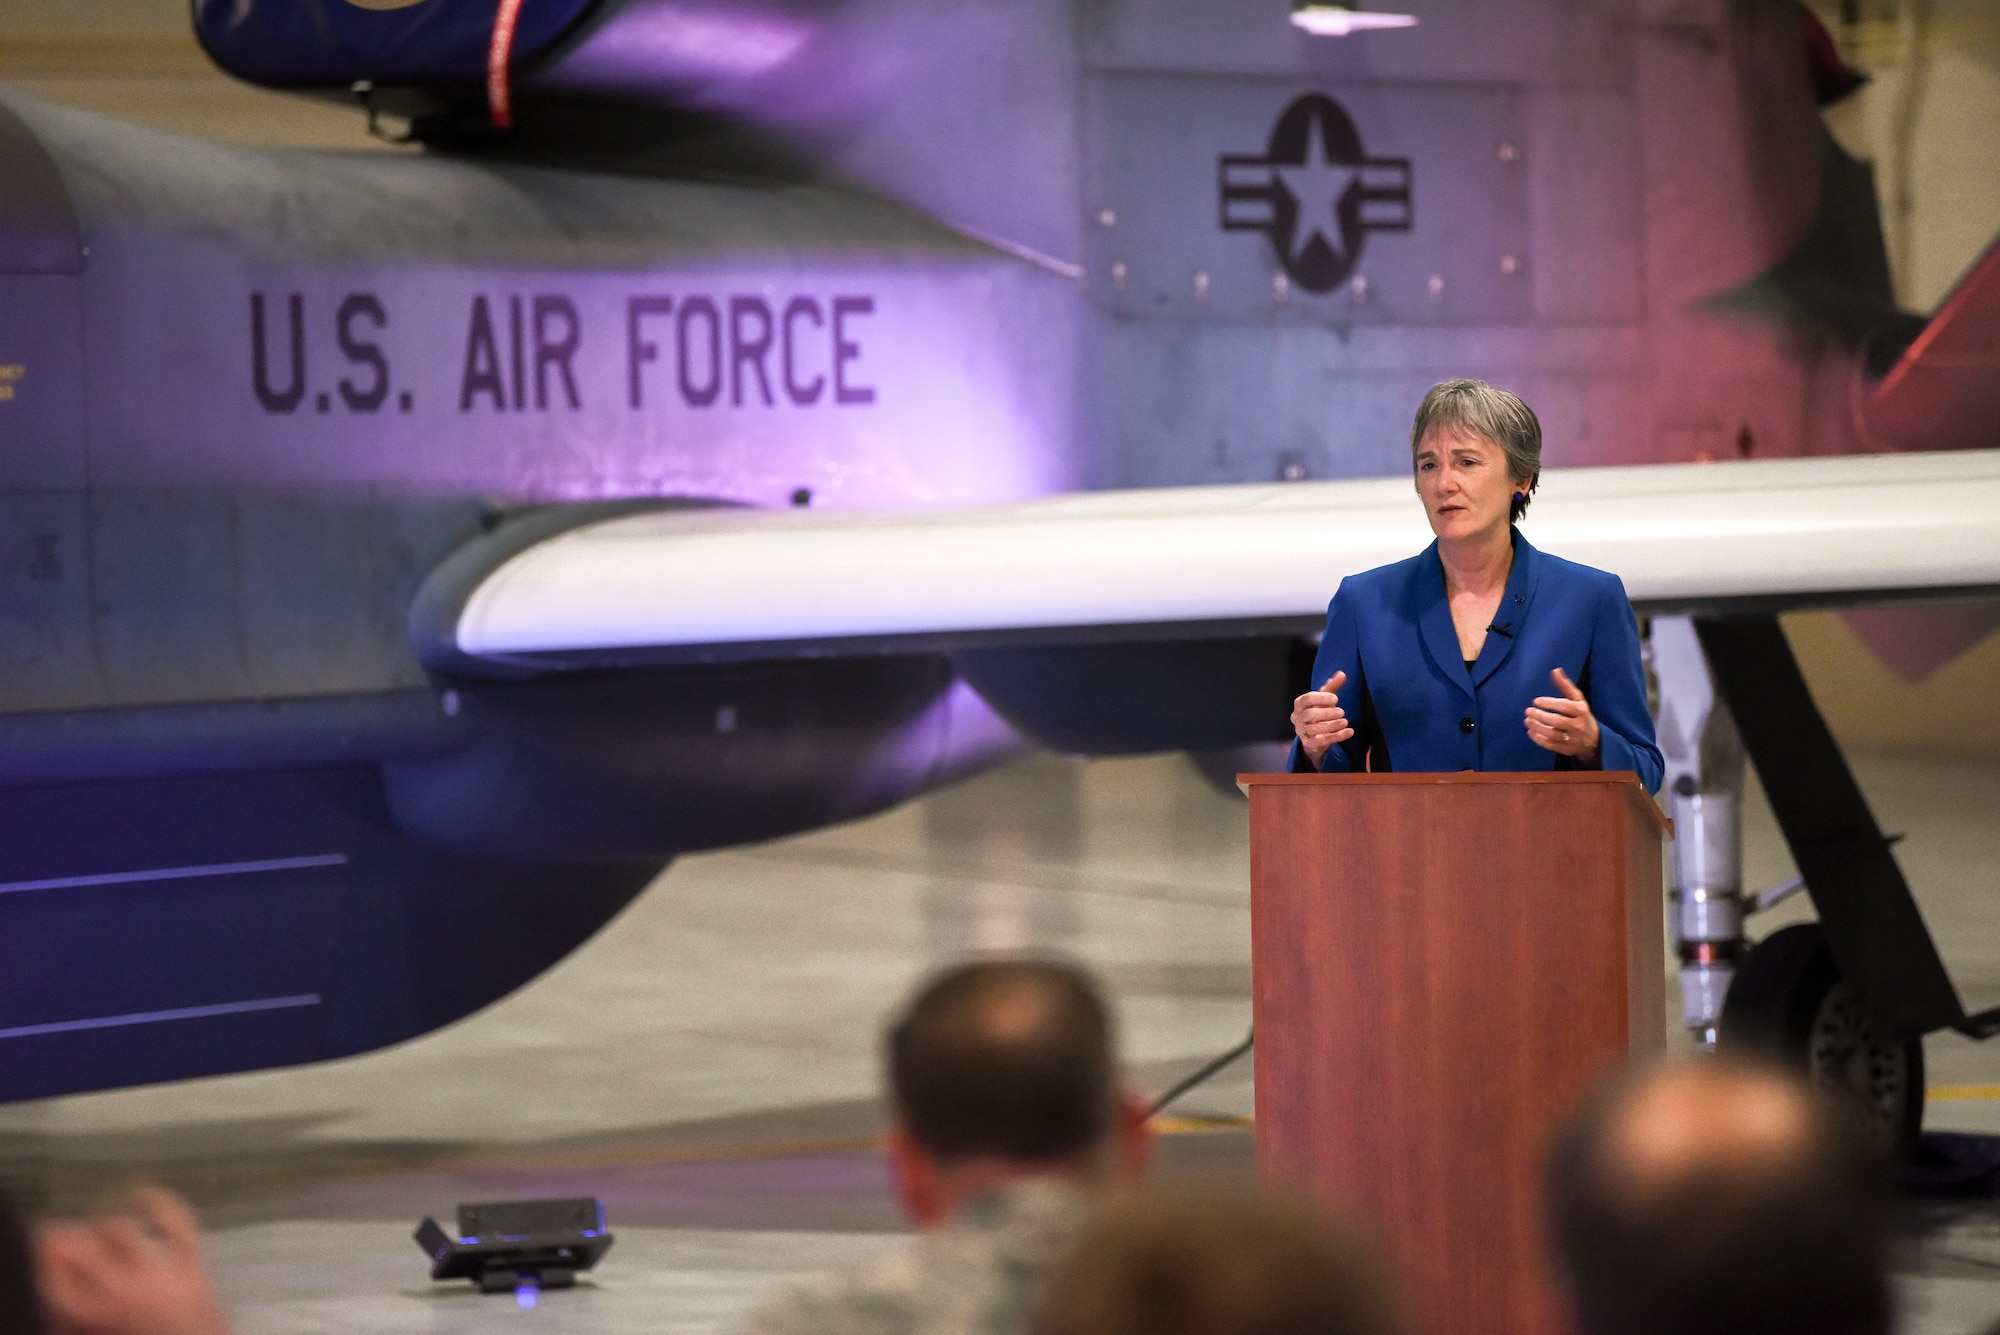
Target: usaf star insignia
(1315,194)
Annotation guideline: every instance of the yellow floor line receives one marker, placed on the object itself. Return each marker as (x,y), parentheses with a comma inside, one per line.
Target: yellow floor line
(1940,1093)
(778,1149)
(771,1149)
(1181,1126)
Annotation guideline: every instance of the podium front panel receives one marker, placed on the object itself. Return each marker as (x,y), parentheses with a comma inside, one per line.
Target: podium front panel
(1442,966)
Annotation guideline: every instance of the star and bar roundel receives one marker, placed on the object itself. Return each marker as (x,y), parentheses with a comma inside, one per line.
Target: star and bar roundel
(1315,193)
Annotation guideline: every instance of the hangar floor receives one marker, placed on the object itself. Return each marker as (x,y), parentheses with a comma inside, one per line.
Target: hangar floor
(706,1065)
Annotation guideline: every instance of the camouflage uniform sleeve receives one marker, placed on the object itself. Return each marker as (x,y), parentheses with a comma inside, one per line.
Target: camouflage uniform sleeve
(880,1302)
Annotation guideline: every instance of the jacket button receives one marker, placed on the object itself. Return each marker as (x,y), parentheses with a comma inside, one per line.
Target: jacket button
(1466,725)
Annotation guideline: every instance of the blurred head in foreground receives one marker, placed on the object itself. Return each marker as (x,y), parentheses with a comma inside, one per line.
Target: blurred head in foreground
(1216,1260)
(1000,1071)
(1707,1197)
(20,1310)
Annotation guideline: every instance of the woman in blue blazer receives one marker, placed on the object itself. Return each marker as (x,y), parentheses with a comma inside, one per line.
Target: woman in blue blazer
(1479,652)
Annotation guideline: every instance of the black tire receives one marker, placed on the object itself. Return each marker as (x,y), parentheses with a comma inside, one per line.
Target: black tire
(1788,1003)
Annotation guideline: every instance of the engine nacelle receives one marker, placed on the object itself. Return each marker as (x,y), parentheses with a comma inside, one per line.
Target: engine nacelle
(646,764)
(1132,698)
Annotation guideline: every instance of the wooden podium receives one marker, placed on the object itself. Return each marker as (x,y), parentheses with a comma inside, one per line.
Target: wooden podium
(1442,965)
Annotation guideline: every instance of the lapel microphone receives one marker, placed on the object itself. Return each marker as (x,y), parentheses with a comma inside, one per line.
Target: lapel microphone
(1500,628)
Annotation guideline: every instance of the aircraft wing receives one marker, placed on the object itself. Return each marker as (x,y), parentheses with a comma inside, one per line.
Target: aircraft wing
(725,584)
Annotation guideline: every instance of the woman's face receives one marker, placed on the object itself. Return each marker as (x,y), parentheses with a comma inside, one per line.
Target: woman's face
(1463,481)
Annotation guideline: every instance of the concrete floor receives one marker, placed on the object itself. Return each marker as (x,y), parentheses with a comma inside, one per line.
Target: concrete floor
(706,1066)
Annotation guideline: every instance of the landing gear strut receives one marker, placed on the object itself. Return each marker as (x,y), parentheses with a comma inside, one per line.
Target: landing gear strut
(1848,999)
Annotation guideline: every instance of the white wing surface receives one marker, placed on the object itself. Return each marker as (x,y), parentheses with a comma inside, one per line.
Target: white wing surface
(736,583)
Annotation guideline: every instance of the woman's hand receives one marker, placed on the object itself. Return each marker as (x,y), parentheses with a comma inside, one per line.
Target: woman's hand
(1565,726)
(1318,719)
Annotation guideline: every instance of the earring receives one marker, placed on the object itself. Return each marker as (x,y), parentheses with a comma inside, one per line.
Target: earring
(1520,496)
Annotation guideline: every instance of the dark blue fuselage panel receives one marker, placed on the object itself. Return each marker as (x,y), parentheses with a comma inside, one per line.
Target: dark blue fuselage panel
(161,930)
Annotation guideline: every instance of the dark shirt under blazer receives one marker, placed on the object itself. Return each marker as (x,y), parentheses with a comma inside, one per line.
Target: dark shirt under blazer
(1415,706)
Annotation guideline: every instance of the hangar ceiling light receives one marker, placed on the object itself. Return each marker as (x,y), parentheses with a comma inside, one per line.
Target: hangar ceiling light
(1323,19)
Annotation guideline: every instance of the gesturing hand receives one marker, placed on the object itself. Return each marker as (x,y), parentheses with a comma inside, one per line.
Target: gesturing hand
(1319,720)
(1564,724)
(135,1273)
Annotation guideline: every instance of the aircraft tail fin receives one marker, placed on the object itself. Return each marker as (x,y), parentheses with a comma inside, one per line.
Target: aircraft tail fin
(1943,393)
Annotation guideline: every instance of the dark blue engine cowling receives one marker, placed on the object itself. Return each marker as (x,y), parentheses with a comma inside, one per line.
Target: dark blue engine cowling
(711,54)
(335,43)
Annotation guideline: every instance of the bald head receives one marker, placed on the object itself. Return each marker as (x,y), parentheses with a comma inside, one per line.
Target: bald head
(1005,1058)
(1708,1198)
(1702,1121)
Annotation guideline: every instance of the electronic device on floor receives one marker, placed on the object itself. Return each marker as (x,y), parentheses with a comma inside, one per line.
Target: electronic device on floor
(518,1247)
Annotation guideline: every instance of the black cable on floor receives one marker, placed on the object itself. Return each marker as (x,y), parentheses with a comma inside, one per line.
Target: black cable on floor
(1204,1073)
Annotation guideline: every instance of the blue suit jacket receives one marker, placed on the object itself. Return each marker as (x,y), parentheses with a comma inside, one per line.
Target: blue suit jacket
(1415,706)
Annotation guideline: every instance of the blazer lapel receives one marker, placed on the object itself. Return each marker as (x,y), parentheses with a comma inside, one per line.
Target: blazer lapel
(1515,604)
(1434,617)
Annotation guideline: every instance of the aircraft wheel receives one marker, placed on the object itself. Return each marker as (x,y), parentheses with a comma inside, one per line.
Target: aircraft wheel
(1788,1002)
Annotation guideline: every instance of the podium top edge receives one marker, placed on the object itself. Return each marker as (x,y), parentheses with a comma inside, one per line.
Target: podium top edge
(1468,778)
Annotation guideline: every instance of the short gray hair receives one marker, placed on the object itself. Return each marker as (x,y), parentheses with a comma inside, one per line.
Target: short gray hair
(1476,408)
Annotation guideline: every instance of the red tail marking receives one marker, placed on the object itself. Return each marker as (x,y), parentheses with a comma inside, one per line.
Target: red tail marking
(1944,392)
(499,101)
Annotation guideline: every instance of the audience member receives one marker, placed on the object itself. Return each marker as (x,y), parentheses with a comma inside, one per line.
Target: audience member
(138,1271)
(1704,1197)
(1216,1260)
(20,1309)
(1008,1123)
